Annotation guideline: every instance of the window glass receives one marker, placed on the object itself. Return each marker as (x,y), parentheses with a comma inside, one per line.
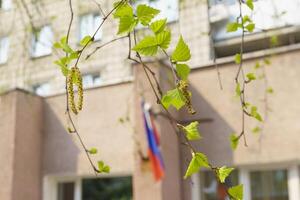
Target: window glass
(211,189)
(5,4)
(42,42)
(268,14)
(4,44)
(269,185)
(88,25)
(65,191)
(107,188)
(168,8)
(91,80)
(42,89)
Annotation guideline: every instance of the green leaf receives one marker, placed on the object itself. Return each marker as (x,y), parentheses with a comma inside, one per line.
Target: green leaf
(64,69)
(270,90)
(123,10)
(127,24)
(158,26)
(147,46)
(232,27)
(146,13)
(238,91)
(255,114)
(223,173)
(63,40)
(250,27)
(257,65)
(102,167)
(66,48)
(191,131)
(246,19)
(198,160)
(85,40)
(163,39)
(237,58)
(256,129)
(182,52)
(234,141)
(250,4)
(74,55)
(236,192)
(267,61)
(173,97)
(183,71)
(251,76)
(57,45)
(93,151)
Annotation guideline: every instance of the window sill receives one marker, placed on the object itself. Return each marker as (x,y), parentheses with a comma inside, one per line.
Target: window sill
(40,57)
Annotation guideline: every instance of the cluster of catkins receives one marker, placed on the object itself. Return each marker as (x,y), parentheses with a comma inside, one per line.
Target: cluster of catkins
(74,78)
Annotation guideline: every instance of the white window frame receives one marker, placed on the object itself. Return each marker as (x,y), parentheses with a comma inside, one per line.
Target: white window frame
(44,92)
(93,20)
(50,183)
(42,45)
(244,178)
(4,49)
(6,5)
(93,77)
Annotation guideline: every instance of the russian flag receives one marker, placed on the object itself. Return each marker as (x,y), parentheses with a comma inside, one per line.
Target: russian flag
(153,144)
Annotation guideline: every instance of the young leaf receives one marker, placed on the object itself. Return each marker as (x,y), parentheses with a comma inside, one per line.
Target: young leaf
(232,27)
(123,10)
(163,39)
(223,173)
(250,27)
(255,114)
(198,160)
(250,4)
(270,90)
(238,91)
(174,98)
(146,13)
(256,129)
(64,69)
(191,131)
(102,167)
(147,46)
(158,26)
(182,52)
(93,151)
(236,192)
(251,76)
(237,58)
(127,24)
(85,40)
(183,71)
(234,141)
(57,45)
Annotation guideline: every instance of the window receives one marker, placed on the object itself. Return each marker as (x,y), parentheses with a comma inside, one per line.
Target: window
(4,44)
(107,188)
(269,185)
(41,43)
(5,4)
(210,187)
(42,89)
(169,8)
(271,15)
(66,191)
(88,25)
(91,80)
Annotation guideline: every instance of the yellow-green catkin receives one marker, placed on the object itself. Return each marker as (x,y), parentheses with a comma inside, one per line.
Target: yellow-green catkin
(183,87)
(70,89)
(80,88)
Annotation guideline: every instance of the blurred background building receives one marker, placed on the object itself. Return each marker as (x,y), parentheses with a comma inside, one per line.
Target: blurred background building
(40,160)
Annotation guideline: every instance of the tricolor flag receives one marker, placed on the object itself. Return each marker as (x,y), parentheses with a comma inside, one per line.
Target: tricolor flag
(153,143)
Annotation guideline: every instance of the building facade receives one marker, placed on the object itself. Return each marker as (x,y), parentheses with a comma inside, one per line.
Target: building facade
(41,160)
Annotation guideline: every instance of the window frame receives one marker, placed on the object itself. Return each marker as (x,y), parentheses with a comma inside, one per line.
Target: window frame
(80,36)
(6,48)
(35,42)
